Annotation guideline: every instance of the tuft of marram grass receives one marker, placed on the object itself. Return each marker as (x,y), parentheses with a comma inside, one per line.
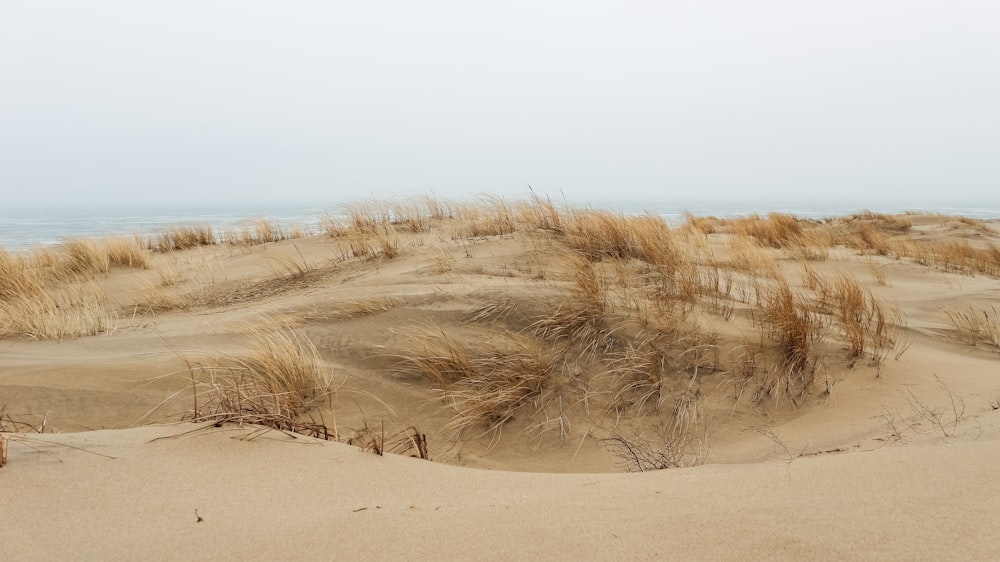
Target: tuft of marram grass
(351,308)
(975,326)
(275,385)
(867,324)
(776,231)
(748,256)
(787,318)
(84,257)
(65,311)
(126,251)
(486,382)
(17,278)
(649,369)
(182,238)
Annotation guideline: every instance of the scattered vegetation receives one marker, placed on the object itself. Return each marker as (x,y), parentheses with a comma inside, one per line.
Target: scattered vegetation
(637,315)
(64,311)
(10,424)
(946,419)
(976,326)
(666,449)
(408,441)
(182,238)
(276,385)
(485,381)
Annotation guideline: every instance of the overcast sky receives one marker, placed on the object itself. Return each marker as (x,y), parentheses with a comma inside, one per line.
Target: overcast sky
(104,101)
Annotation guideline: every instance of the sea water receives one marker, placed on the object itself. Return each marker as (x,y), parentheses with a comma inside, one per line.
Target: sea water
(27,227)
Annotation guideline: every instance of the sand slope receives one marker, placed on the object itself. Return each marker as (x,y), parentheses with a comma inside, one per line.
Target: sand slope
(277,498)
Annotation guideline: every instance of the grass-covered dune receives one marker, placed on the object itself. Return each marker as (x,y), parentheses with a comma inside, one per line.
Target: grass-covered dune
(518,335)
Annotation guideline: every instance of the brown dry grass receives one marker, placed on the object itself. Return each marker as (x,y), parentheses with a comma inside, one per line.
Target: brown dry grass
(867,324)
(776,231)
(975,326)
(275,385)
(182,238)
(486,382)
(788,319)
(352,308)
(659,365)
(127,251)
(17,278)
(745,255)
(257,232)
(66,311)
(30,275)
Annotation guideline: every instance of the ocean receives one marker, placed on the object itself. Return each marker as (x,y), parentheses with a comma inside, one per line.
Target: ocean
(28,227)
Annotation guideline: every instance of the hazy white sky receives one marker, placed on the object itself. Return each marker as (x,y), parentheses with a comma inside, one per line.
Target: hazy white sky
(321,100)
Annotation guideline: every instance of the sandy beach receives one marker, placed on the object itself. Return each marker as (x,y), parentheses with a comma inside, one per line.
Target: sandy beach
(506,379)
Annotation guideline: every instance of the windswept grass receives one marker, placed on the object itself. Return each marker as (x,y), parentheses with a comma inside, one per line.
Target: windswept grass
(747,256)
(257,232)
(352,308)
(486,382)
(601,235)
(494,216)
(380,241)
(84,257)
(52,298)
(275,385)
(182,238)
(776,231)
(652,367)
(788,319)
(975,326)
(17,279)
(867,324)
(67,311)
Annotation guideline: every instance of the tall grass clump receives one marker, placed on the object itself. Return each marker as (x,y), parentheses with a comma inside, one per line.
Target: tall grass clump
(260,231)
(492,216)
(659,365)
(869,239)
(600,234)
(17,279)
(580,320)
(975,325)
(867,324)
(50,298)
(539,213)
(776,231)
(182,238)
(788,319)
(748,256)
(486,382)
(275,385)
(66,311)
(961,256)
(127,251)
(84,257)
(378,241)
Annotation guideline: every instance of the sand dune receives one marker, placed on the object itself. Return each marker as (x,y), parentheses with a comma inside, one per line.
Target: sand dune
(820,390)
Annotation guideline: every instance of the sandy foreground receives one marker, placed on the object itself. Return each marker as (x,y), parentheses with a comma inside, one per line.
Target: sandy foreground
(890,459)
(278,498)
